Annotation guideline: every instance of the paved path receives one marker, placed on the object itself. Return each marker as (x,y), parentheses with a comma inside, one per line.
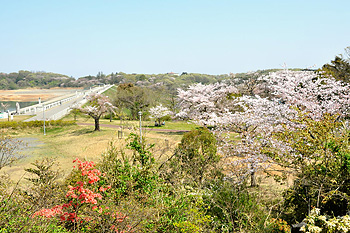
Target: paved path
(49,113)
(60,108)
(150,129)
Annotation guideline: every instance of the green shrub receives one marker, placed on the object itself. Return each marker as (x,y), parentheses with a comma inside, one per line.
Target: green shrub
(195,217)
(320,157)
(9,124)
(34,124)
(182,212)
(134,175)
(195,159)
(235,208)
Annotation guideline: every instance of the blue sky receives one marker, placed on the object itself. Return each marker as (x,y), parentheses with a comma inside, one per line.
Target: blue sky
(81,38)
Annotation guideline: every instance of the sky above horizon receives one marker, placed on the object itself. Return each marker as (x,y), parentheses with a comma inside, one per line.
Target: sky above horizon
(79,38)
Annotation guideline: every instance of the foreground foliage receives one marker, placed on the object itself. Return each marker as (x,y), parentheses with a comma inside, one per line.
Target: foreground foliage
(127,191)
(323,223)
(319,156)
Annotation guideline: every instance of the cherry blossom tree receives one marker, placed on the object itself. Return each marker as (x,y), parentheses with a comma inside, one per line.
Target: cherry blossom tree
(158,112)
(310,92)
(96,106)
(292,91)
(221,106)
(253,124)
(255,119)
(203,103)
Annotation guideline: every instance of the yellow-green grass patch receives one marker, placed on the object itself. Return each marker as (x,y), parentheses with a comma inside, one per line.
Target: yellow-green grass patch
(67,143)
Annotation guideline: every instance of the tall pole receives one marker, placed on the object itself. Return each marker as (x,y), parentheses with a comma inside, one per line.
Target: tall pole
(44,118)
(140,114)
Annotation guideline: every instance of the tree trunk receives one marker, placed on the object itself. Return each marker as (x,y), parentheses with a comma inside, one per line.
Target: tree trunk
(253,179)
(97,124)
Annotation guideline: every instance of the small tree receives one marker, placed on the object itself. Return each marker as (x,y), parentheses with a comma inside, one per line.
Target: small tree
(196,157)
(8,150)
(133,98)
(339,68)
(4,106)
(75,112)
(46,189)
(97,105)
(159,112)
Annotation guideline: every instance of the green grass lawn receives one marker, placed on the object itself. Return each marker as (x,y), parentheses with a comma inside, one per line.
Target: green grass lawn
(111,91)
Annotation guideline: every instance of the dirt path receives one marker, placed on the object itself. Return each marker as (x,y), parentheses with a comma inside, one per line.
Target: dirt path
(150,129)
(29,144)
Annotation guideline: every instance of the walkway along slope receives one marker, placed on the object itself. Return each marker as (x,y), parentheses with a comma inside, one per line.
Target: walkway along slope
(56,110)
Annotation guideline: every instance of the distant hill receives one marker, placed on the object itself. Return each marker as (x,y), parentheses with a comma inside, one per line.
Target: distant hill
(40,79)
(169,81)
(174,80)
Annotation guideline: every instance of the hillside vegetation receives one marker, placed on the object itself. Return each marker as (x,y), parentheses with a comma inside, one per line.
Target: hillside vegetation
(41,79)
(259,152)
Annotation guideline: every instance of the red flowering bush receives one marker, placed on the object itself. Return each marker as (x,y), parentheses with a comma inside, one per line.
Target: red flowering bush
(83,209)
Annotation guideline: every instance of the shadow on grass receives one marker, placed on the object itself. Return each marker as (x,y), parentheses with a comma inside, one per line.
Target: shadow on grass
(54,130)
(169,133)
(82,131)
(152,127)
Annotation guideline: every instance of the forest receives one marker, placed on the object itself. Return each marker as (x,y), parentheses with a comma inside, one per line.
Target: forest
(269,152)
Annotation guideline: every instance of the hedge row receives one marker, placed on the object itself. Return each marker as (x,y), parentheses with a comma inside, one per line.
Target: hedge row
(33,124)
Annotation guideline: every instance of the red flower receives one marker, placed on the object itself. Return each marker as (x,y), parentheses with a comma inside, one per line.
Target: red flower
(81,194)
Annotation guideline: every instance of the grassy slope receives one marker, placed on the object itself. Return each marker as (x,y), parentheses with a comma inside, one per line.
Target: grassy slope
(70,142)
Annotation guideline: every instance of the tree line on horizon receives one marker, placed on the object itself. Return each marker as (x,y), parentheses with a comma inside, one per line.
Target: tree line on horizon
(41,79)
(22,79)
(339,68)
